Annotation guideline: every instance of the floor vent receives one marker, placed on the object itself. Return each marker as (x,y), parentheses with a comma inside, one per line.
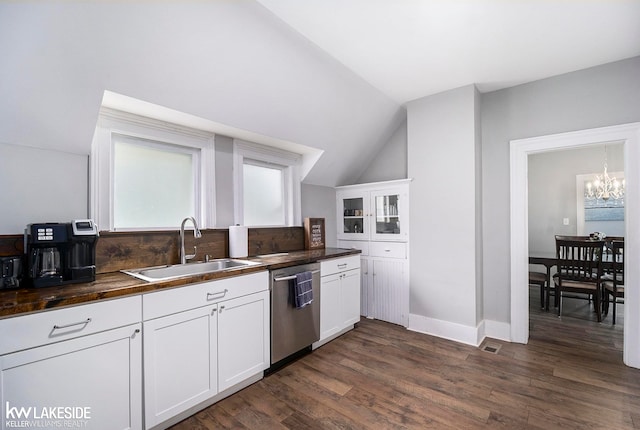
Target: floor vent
(492,348)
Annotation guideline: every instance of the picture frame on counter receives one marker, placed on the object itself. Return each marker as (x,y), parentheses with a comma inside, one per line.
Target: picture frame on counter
(314,233)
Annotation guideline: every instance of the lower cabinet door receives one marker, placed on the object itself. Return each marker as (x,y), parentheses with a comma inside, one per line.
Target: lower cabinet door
(90,382)
(243,338)
(330,306)
(180,368)
(350,292)
(391,291)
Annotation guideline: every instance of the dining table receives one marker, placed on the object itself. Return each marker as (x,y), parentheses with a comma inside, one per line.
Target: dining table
(549,260)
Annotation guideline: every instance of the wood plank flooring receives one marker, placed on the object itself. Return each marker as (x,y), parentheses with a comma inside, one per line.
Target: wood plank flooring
(382,376)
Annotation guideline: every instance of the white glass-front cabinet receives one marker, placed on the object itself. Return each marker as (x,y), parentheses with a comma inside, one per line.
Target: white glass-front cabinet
(373,214)
(374,218)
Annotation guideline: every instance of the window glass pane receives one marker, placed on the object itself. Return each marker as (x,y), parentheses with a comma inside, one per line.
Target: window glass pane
(263,195)
(153,187)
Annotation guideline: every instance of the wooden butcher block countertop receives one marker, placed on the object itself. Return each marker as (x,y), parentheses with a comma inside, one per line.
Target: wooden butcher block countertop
(118,284)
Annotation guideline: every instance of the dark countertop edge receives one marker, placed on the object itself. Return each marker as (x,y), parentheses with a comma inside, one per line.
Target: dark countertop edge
(117,284)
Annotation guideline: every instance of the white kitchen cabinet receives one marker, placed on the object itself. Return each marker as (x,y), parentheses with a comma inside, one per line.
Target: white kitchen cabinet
(383,241)
(373,211)
(330,319)
(201,340)
(390,287)
(180,362)
(243,338)
(90,365)
(340,297)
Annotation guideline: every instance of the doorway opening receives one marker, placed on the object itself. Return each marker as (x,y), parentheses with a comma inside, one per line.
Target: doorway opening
(629,135)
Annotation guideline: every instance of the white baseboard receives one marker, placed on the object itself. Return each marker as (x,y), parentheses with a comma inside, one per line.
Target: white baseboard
(459,332)
(497,330)
(444,329)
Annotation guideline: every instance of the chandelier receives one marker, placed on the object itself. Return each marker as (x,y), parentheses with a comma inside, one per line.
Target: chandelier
(604,187)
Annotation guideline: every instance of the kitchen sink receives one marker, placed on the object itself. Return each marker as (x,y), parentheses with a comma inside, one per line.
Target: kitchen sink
(165,273)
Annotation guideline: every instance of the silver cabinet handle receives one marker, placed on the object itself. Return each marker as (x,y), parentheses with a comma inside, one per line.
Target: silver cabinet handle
(288,278)
(216,295)
(342,266)
(85,322)
(221,308)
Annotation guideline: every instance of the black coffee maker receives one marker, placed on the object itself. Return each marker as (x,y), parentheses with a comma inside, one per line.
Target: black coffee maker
(61,253)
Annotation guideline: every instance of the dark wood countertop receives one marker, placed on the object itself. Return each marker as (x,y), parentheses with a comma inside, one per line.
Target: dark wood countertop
(116,284)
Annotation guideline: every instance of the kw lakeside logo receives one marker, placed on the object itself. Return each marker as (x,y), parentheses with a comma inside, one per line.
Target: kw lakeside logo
(46,417)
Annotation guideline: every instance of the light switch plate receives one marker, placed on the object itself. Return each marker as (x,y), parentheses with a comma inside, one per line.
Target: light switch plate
(565,221)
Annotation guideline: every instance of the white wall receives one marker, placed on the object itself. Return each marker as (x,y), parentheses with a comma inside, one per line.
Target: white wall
(232,62)
(443,161)
(41,185)
(552,193)
(595,97)
(390,162)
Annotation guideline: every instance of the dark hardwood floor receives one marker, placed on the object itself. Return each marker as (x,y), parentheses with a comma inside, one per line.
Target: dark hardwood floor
(382,376)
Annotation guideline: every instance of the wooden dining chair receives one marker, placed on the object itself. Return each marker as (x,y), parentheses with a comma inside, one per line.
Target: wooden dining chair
(579,269)
(539,278)
(613,283)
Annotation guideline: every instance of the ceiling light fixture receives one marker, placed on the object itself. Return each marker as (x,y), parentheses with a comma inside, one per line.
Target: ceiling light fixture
(604,187)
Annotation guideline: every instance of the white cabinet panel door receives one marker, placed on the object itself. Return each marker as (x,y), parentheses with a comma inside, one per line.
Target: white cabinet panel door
(390,291)
(350,300)
(180,353)
(101,372)
(243,338)
(330,314)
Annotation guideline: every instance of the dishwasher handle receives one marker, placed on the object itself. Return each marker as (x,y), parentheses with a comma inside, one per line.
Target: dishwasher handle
(288,278)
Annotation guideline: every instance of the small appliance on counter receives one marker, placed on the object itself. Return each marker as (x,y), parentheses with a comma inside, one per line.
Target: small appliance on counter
(60,253)
(10,271)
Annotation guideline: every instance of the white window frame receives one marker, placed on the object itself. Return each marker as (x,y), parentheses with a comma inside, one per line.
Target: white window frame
(157,134)
(261,155)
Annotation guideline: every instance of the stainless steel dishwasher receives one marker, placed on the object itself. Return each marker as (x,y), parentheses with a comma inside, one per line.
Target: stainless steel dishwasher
(293,329)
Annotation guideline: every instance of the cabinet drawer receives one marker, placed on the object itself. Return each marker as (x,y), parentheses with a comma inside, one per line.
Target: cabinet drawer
(388,249)
(180,299)
(42,328)
(329,267)
(355,244)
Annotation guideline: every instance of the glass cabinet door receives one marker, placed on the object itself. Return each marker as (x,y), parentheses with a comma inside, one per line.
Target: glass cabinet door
(387,211)
(353,216)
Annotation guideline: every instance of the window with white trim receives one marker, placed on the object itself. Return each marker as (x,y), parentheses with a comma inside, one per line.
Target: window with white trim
(150,175)
(266,186)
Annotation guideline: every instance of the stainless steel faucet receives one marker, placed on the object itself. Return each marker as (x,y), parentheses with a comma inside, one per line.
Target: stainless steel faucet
(196,233)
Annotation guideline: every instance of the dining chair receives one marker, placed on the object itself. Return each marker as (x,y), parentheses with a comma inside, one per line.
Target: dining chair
(539,278)
(613,283)
(579,269)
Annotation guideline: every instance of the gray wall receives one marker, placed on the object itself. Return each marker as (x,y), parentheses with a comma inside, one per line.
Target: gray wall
(444,207)
(391,162)
(320,202)
(40,185)
(595,97)
(224,181)
(552,193)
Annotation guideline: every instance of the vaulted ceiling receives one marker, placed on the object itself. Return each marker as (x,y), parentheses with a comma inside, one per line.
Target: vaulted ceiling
(413,48)
(329,74)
